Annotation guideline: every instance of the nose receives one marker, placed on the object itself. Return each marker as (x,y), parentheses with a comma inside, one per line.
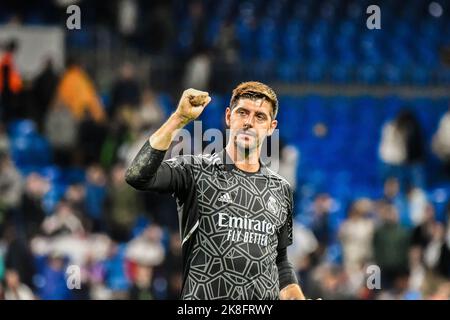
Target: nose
(249,121)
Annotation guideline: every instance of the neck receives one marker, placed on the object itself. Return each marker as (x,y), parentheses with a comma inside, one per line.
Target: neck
(245,161)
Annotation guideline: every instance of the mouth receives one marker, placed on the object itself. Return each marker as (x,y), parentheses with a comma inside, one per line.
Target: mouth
(247,134)
(246,137)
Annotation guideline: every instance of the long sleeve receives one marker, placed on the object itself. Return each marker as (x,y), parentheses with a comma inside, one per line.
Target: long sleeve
(285,237)
(149,172)
(286,273)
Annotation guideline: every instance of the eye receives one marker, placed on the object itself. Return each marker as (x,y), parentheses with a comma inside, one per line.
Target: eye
(261,117)
(241,112)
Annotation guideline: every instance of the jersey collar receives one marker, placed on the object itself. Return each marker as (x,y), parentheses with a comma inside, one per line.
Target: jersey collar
(223,161)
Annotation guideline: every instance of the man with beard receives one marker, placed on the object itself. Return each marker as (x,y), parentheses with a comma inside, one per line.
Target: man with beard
(235,213)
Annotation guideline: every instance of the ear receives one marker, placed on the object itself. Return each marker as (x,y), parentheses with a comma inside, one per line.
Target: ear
(227,116)
(273,125)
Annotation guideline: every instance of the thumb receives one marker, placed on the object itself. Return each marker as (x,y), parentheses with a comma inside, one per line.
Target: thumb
(207,101)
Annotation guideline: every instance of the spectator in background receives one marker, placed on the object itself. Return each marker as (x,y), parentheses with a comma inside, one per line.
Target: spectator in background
(400,290)
(198,71)
(145,250)
(198,21)
(390,245)
(157,15)
(126,127)
(31,204)
(421,236)
(437,252)
(431,244)
(141,287)
(129,112)
(90,139)
(356,236)
(226,45)
(423,233)
(226,53)
(10,83)
(330,282)
(44,89)
(61,131)
(320,221)
(94,270)
(15,289)
(393,196)
(305,243)
(303,253)
(125,92)
(401,149)
(123,205)
(436,258)
(441,142)
(417,270)
(127,17)
(96,197)
(288,164)
(173,267)
(150,114)
(10,188)
(116,279)
(54,284)
(18,256)
(76,196)
(4,140)
(417,203)
(77,92)
(442,292)
(63,221)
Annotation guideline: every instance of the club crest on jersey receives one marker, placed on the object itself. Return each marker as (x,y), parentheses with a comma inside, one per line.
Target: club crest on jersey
(273,206)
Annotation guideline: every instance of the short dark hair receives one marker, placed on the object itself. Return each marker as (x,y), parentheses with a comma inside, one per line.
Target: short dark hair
(255,90)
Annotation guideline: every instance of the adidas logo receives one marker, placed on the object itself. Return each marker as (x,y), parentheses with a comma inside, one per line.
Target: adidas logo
(226,198)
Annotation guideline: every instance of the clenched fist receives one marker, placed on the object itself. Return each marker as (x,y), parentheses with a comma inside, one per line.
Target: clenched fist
(192,104)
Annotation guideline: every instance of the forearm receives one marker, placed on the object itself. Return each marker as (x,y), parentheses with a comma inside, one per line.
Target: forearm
(289,287)
(286,273)
(163,137)
(147,171)
(142,171)
(141,174)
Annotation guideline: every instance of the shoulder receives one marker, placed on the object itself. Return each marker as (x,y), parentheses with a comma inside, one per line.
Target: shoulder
(280,179)
(199,160)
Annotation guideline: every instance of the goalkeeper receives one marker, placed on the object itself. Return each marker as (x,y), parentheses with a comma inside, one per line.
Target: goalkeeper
(235,214)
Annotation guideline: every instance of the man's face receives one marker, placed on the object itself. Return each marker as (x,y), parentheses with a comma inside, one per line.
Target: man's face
(250,122)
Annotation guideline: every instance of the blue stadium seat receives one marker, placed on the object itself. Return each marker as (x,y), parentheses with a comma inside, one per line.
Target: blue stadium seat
(21,128)
(53,196)
(167,103)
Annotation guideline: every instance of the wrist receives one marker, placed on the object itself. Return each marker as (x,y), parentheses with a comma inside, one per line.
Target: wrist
(179,119)
(292,292)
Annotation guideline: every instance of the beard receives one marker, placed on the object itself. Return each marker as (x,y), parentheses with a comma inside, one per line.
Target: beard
(248,146)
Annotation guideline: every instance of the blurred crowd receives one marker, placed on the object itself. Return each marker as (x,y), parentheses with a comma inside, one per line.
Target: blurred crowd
(127,244)
(75,207)
(64,148)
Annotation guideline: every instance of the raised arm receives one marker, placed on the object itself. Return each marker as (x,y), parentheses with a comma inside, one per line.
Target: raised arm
(147,170)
